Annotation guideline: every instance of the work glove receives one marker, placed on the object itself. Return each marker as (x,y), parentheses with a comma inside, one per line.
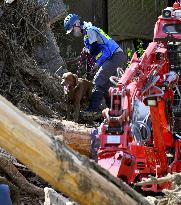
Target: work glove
(86,50)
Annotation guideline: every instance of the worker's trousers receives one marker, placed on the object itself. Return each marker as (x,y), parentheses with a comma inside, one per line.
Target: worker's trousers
(101,80)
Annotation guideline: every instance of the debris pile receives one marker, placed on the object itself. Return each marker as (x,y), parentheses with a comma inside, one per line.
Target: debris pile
(28,87)
(24,83)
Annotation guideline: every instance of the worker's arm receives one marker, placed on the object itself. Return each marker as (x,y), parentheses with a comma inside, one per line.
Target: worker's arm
(96,48)
(92,36)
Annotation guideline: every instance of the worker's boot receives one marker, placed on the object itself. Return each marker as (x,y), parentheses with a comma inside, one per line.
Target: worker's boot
(93,112)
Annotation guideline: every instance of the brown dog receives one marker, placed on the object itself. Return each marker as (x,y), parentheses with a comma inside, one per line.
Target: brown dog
(76,89)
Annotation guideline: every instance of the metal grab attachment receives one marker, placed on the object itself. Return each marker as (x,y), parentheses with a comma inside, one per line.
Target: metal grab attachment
(155,79)
(155,95)
(114,80)
(120,72)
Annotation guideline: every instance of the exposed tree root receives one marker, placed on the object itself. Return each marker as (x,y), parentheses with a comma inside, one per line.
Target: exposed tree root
(18,179)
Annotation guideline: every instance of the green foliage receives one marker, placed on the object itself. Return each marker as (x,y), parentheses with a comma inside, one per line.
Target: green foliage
(140,49)
(129,55)
(129,52)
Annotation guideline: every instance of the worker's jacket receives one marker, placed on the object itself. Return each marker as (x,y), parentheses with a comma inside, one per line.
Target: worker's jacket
(106,49)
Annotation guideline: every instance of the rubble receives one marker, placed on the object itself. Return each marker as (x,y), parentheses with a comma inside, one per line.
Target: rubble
(53,198)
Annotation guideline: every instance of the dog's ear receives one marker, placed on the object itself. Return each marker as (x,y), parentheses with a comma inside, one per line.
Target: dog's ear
(76,79)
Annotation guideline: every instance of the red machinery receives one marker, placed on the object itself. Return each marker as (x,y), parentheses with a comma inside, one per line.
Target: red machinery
(139,135)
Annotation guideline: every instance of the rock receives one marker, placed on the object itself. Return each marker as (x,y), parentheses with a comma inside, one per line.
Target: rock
(151,199)
(56,9)
(53,198)
(47,54)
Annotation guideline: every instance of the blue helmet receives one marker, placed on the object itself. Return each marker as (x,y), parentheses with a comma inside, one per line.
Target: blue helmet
(69,22)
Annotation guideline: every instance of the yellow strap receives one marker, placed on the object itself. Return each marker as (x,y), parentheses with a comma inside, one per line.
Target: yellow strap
(99,55)
(104,34)
(85,36)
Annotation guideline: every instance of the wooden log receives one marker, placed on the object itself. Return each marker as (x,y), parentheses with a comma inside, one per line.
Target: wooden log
(74,175)
(78,142)
(75,135)
(175,177)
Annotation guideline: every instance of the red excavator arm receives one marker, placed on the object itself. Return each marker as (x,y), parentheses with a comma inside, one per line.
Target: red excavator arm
(137,136)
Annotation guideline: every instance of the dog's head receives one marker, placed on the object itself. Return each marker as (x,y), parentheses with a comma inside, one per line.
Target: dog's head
(69,81)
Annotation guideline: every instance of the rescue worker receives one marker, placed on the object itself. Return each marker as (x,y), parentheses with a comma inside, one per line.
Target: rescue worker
(5,195)
(108,56)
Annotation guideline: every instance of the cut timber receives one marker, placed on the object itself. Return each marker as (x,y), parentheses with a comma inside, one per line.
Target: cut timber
(74,175)
(75,135)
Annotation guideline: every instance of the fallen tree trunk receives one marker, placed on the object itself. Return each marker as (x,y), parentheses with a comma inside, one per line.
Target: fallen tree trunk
(68,172)
(75,135)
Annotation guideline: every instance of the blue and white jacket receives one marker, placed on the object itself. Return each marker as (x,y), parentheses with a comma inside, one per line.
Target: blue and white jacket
(106,48)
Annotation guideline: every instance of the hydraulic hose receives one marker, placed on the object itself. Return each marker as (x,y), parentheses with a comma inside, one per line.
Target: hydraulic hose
(148,132)
(114,80)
